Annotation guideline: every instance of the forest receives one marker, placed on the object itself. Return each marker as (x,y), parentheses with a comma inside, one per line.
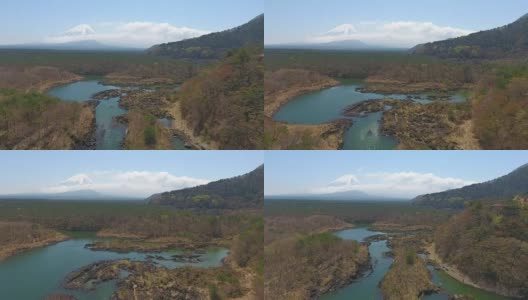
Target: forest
(509,185)
(489,243)
(507,41)
(214,45)
(225,103)
(244,191)
(134,67)
(31,120)
(401,212)
(297,252)
(122,217)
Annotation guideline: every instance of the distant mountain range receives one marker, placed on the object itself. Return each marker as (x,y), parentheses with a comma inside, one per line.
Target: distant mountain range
(214,45)
(346,45)
(86,45)
(339,196)
(510,185)
(245,191)
(83,195)
(506,41)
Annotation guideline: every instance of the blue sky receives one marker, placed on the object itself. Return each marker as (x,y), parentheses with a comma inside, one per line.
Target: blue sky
(25,21)
(310,20)
(119,172)
(388,173)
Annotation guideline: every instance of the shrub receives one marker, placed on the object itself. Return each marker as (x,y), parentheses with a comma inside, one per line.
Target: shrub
(150,136)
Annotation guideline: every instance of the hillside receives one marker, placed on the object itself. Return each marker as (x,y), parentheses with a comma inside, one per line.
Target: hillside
(224,104)
(307,266)
(245,191)
(214,45)
(503,187)
(489,244)
(506,41)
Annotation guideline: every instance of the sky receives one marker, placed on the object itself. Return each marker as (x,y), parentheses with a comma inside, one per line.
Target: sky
(124,173)
(133,23)
(402,23)
(395,174)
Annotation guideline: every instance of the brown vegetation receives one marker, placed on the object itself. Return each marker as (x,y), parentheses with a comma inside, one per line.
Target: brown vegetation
(304,260)
(37,78)
(16,237)
(429,126)
(306,267)
(278,227)
(304,137)
(224,104)
(500,109)
(36,121)
(145,132)
(407,278)
(489,245)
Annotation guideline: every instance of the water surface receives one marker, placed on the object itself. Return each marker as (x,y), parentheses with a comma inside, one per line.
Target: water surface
(109,133)
(39,272)
(365,287)
(327,105)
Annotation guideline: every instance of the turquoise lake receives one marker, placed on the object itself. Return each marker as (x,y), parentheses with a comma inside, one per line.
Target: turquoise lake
(36,273)
(327,105)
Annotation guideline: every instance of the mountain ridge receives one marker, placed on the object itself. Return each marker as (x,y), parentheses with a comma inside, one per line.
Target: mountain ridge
(243,191)
(353,195)
(337,45)
(79,195)
(510,40)
(506,186)
(82,45)
(214,45)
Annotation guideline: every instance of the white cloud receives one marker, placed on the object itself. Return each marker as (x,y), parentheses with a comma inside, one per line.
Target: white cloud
(344,29)
(80,30)
(395,34)
(345,180)
(130,183)
(392,184)
(79,179)
(131,34)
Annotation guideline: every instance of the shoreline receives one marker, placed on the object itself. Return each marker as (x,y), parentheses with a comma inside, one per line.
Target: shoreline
(46,87)
(283,97)
(456,274)
(12,250)
(179,124)
(328,139)
(450,270)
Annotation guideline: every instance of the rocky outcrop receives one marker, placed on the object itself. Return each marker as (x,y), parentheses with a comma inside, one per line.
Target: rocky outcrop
(105,95)
(408,277)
